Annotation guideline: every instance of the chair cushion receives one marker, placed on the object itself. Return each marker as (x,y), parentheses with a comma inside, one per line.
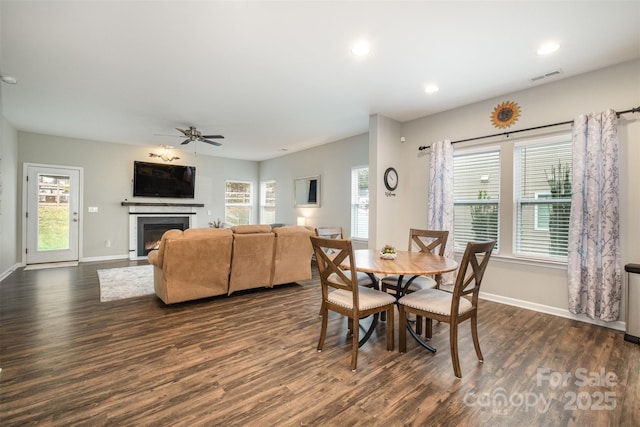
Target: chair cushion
(418,284)
(367,298)
(434,301)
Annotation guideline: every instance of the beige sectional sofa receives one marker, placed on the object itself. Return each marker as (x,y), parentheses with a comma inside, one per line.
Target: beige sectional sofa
(204,262)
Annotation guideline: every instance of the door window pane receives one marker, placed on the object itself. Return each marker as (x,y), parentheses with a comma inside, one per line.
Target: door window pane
(53,212)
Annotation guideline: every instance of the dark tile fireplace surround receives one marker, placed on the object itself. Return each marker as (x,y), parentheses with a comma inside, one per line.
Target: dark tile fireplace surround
(149,221)
(151,229)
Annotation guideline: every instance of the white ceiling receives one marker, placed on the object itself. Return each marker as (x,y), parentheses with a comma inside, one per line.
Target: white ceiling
(280,75)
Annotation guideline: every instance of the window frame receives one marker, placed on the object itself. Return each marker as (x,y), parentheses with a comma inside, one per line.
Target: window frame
(249,205)
(557,138)
(482,149)
(507,226)
(263,200)
(356,204)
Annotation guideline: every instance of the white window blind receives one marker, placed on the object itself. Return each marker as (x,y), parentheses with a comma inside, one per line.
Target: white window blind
(237,203)
(268,202)
(543,198)
(476,194)
(360,203)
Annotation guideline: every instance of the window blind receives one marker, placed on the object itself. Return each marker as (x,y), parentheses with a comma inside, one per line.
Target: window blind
(476,193)
(360,202)
(543,198)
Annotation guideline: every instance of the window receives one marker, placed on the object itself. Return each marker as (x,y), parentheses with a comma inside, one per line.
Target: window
(360,202)
(542,174)
(476,194)
(237,203)
(268,202)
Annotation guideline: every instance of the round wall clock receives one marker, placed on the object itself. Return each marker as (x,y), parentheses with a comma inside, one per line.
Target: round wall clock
(505,114)
(391,179)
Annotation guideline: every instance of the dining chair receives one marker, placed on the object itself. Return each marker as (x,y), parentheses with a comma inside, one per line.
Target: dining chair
(364,279)
(343,295)
(452,308)
(433,241)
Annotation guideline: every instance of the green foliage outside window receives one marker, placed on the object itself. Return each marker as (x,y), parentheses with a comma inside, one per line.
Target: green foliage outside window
(484,219)
(559,180)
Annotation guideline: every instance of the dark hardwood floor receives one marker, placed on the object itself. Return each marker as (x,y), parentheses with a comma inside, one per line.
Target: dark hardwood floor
(251,360)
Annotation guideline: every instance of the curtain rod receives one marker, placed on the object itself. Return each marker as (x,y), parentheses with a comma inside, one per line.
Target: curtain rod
(631,110)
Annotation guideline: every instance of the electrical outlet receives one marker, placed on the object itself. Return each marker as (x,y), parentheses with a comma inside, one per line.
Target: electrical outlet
(107,243)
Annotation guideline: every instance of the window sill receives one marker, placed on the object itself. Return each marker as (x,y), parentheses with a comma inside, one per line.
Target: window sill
(534,262)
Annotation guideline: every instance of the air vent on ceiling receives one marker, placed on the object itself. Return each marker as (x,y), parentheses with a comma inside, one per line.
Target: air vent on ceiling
(546,75)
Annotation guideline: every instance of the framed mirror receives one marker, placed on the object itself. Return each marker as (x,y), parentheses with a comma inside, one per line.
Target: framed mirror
(307,192)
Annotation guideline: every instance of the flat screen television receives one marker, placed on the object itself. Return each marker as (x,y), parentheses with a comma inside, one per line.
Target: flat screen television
(161,180)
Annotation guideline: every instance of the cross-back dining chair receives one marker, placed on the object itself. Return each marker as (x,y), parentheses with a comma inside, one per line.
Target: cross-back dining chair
(342,294)
(433,241)
(451,307)
(338,233)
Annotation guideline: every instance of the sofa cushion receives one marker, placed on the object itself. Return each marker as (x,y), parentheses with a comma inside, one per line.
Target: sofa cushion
(292,261)
(249,229)
(192,264)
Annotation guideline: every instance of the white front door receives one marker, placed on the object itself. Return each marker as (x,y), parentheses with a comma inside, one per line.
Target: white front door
(53,216)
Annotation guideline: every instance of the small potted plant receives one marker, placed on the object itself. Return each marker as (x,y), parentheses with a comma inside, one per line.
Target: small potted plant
(388,252)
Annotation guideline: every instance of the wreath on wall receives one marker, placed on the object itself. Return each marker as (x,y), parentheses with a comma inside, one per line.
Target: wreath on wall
(505,114)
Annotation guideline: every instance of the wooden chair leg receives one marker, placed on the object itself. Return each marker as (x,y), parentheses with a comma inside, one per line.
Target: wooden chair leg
(390,327)
(455,359)
(419,325)
(402,329)
(323,330)
(355,344)
(428,329)
(474,335)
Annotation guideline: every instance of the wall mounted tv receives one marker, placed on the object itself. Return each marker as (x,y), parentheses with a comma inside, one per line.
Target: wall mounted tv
(161,180)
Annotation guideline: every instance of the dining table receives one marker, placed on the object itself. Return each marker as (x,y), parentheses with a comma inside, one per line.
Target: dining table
(405,263)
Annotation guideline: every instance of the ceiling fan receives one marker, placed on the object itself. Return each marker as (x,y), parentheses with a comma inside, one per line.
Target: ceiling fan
(193,134)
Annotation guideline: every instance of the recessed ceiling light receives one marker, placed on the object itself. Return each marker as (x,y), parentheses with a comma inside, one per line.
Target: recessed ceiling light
(431,88)
(361,48)
(548,48)
(9,80)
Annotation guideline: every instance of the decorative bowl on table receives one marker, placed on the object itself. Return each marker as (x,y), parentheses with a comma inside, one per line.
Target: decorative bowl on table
(388,252)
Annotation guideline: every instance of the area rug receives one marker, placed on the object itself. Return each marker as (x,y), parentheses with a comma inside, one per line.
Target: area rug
(125,282)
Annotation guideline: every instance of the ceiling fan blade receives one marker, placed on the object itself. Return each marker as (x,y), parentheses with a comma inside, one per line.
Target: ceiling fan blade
(173,136)
(210,142)
(213,136)
(183,131)
(186,141)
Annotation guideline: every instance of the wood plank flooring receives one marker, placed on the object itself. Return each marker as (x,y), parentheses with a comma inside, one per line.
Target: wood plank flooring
(250,360)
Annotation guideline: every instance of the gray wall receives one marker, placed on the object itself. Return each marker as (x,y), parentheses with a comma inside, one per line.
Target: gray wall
(333,162)
(8,197)
(534,285)
(540,286)
(108,173)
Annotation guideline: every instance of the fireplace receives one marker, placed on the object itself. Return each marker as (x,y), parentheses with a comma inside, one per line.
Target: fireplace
(156,218)
(151,229)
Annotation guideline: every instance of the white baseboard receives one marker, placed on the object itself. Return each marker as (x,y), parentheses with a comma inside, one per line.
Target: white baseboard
(103,258)
(560,312)
(11,269)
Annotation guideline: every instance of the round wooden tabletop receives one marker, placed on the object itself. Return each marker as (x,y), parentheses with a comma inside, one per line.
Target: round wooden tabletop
(406,263)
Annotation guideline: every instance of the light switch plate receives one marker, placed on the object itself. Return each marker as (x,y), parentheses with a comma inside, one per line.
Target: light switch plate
(93,209)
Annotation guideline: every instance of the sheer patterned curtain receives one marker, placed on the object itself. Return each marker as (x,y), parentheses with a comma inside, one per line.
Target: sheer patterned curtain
(595,282)
(440,199)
